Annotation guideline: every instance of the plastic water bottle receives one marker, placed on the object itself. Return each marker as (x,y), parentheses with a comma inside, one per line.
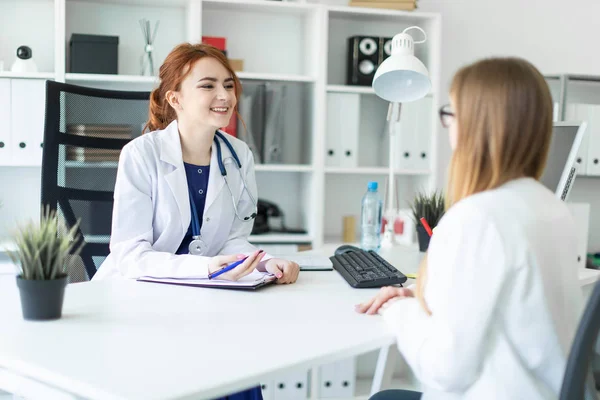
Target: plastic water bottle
(370,219)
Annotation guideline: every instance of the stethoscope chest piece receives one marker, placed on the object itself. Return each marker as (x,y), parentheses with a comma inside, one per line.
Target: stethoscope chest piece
(197,247)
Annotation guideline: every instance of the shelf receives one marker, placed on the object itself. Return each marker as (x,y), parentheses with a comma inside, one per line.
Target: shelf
(280,238)
(282,168)
(257,167)
(266,238)
(374,171)
(274,77)
(356,89)
(27,75)
(73,77)
(350,89)
(99,164)
(262,6)
(378,14)
(146,3)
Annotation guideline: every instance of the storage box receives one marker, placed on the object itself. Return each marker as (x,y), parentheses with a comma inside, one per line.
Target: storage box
(94,54)
(236,64)
(217,41)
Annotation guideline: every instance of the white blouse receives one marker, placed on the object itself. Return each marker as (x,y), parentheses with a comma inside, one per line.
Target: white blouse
(505,301)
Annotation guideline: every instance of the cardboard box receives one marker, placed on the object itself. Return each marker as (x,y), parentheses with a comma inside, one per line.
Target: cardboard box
(236,64)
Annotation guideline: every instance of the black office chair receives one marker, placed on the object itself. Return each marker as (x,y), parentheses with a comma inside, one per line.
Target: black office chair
(577,382)
(85,130)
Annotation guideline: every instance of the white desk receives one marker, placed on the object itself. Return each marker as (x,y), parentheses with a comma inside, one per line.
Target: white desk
(132,340)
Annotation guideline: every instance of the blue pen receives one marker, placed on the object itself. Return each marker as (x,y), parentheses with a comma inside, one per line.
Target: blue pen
(225,269)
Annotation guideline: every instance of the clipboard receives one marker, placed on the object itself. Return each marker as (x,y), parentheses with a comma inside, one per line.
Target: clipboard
(252,281)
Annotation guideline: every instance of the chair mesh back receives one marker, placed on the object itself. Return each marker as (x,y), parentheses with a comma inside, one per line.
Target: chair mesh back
(84,133)
(577,382)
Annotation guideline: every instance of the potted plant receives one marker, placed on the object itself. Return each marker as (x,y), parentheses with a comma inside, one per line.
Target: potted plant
(428,206)
(43,255)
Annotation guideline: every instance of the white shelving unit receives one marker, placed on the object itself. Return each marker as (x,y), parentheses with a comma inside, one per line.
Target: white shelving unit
(296,43)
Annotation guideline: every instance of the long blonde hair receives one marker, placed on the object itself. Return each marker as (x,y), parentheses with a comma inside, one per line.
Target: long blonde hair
(503,110)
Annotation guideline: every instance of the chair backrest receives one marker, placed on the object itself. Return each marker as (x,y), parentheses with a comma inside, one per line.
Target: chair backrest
(84,132)
(577,382)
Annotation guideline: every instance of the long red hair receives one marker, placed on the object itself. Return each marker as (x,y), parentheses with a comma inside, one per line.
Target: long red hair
(173,71)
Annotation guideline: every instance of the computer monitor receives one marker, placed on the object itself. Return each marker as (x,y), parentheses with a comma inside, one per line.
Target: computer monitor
(561,166)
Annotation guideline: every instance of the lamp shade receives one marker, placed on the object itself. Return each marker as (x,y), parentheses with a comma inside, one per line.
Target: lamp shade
(402,77)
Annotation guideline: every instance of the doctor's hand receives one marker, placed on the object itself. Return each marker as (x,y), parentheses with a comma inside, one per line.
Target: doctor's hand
(384,298)
(218,262)
(285,271)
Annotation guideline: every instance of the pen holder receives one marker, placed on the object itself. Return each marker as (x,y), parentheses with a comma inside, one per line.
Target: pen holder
(423,238)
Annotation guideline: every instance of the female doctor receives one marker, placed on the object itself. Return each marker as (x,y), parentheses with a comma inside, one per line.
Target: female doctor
(185,194)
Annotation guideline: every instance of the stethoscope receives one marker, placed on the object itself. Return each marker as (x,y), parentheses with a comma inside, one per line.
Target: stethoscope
(197,245)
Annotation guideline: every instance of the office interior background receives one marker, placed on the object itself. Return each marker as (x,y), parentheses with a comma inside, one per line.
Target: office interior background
(287,44)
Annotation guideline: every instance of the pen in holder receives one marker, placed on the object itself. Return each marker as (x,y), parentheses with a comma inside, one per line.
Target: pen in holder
(146,61)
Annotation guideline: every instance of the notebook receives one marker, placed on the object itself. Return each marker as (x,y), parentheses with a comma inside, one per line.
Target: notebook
(252,281)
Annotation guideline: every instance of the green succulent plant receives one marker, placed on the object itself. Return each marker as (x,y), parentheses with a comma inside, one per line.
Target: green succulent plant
(44,250)
(431,206)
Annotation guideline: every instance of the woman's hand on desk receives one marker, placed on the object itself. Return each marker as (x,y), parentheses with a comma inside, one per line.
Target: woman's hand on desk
(218,262)
(385,296)
(286,271)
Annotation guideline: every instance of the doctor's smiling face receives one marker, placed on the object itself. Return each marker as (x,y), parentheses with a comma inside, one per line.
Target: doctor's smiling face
(207,95)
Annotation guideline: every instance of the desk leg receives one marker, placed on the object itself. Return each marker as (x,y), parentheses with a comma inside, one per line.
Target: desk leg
(384,369)
(21,386)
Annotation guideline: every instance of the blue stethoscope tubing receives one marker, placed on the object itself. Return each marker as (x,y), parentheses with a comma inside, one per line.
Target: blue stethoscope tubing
(197,246)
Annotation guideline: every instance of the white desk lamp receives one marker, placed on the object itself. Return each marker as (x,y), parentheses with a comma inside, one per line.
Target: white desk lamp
(400,78)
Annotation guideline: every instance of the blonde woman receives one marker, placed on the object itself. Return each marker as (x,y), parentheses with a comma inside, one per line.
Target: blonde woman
(495,307)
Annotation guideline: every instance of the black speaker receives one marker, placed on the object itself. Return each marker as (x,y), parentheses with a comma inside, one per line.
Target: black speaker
(362,61)
(385,48)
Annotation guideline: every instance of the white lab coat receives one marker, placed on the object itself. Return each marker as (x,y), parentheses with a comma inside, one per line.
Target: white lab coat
(505,299)
(152,214)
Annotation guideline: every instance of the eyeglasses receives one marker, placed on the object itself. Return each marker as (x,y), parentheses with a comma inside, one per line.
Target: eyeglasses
(446,116)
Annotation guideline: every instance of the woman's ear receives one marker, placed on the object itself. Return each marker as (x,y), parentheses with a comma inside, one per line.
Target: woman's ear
(173,99)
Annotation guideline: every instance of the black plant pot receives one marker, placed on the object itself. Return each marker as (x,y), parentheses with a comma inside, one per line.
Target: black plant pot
(40,299)
(423,238)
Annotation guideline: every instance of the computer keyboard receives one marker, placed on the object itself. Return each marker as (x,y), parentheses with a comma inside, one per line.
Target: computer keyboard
(366,269)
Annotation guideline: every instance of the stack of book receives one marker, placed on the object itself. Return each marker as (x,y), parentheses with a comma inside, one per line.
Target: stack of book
(405,5)
(84,154)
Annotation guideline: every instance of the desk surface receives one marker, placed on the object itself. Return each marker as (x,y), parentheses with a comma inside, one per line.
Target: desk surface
(133,340)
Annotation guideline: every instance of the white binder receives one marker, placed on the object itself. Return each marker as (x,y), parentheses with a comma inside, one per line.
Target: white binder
(28,102)
(291,386)
(327,379)
(345,382)
(414,135)
(6,148)
(338,379)
(423,133)
(267,389)
(581,215)
(593,143)
(343,124)
(406,141)
(581,112)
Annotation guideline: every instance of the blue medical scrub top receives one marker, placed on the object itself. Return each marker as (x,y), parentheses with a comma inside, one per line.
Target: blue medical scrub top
(197,179)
